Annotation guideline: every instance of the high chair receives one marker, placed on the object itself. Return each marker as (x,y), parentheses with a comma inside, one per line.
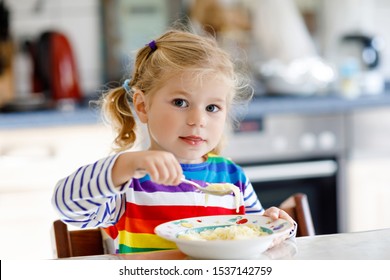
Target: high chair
(297,206)
(75,243)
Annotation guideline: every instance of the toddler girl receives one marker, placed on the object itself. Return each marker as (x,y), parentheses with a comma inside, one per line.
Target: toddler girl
(182,88)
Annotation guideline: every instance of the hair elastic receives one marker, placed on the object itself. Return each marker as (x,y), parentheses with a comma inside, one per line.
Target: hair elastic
(126,86)
(152,45)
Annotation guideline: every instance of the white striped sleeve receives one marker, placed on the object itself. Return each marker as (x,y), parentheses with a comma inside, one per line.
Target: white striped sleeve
(251,201)
(88,198)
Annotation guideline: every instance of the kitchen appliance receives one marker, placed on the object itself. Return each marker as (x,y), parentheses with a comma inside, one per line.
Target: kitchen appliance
(54,67)
(54,75)
(285,154)
(359,62)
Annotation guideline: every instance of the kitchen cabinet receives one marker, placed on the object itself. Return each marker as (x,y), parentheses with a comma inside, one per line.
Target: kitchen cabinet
(31,162)
(369,183)
(368,169)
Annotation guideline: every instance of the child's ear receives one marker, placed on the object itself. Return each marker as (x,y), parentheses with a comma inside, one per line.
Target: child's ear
(139,102)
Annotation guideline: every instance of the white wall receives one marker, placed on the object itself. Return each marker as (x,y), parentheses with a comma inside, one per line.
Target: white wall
(79,20)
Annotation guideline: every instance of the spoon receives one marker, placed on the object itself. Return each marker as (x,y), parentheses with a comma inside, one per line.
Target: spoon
(213,189)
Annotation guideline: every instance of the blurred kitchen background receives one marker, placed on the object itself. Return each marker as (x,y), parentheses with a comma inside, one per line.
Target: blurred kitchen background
(319,122)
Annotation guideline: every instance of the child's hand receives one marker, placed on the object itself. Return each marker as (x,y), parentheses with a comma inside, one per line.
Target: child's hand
(162,167)
(276,213)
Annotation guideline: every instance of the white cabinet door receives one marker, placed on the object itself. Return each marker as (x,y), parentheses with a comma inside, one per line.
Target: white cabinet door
(369,188)
(368,169)
(31,162)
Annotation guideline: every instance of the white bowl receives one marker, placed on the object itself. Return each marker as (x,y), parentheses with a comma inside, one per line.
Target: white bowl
(223,249)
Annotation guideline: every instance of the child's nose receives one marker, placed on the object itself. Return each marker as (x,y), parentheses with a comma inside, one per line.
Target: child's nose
(196,117)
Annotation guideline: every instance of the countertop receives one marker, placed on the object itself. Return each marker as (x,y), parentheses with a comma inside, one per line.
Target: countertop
(364,245)
(323,104)
(45,118)
(260,106)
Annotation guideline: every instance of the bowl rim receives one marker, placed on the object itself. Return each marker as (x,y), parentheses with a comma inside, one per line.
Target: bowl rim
(218,242)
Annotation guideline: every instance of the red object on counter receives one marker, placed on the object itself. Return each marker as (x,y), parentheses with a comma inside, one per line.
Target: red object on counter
(55,69)
(64,73)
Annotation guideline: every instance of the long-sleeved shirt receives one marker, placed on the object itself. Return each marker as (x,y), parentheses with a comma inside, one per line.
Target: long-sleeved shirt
(129,213)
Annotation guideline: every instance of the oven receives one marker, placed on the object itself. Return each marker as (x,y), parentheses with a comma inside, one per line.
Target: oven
(286,154)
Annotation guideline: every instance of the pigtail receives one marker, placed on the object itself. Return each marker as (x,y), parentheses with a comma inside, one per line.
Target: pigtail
(117,111)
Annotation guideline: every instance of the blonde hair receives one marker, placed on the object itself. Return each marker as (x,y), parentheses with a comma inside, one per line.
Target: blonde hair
(176,51)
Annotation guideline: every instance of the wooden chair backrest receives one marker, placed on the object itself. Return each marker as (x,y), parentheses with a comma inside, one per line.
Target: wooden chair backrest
(75,243)
(297,206)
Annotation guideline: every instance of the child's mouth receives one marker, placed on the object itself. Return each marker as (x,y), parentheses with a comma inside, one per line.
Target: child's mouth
(192,140)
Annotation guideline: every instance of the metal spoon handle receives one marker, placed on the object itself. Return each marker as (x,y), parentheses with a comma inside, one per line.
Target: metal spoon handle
(196,185)
(205,189)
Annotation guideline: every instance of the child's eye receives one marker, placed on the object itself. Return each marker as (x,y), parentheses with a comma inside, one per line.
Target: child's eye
(212,108)
(180,103)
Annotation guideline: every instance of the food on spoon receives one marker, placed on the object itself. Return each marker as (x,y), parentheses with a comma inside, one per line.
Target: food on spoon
(225,187)
(233,232)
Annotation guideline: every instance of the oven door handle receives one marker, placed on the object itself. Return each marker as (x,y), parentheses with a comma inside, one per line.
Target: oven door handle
(288,171)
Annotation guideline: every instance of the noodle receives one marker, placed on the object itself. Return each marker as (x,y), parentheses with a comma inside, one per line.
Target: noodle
(234,232)
(226,187)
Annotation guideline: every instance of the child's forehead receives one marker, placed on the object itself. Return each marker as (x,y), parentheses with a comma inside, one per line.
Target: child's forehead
(194,77)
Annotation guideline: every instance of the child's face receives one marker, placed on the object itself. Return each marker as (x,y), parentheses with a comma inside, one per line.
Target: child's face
(187,116)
